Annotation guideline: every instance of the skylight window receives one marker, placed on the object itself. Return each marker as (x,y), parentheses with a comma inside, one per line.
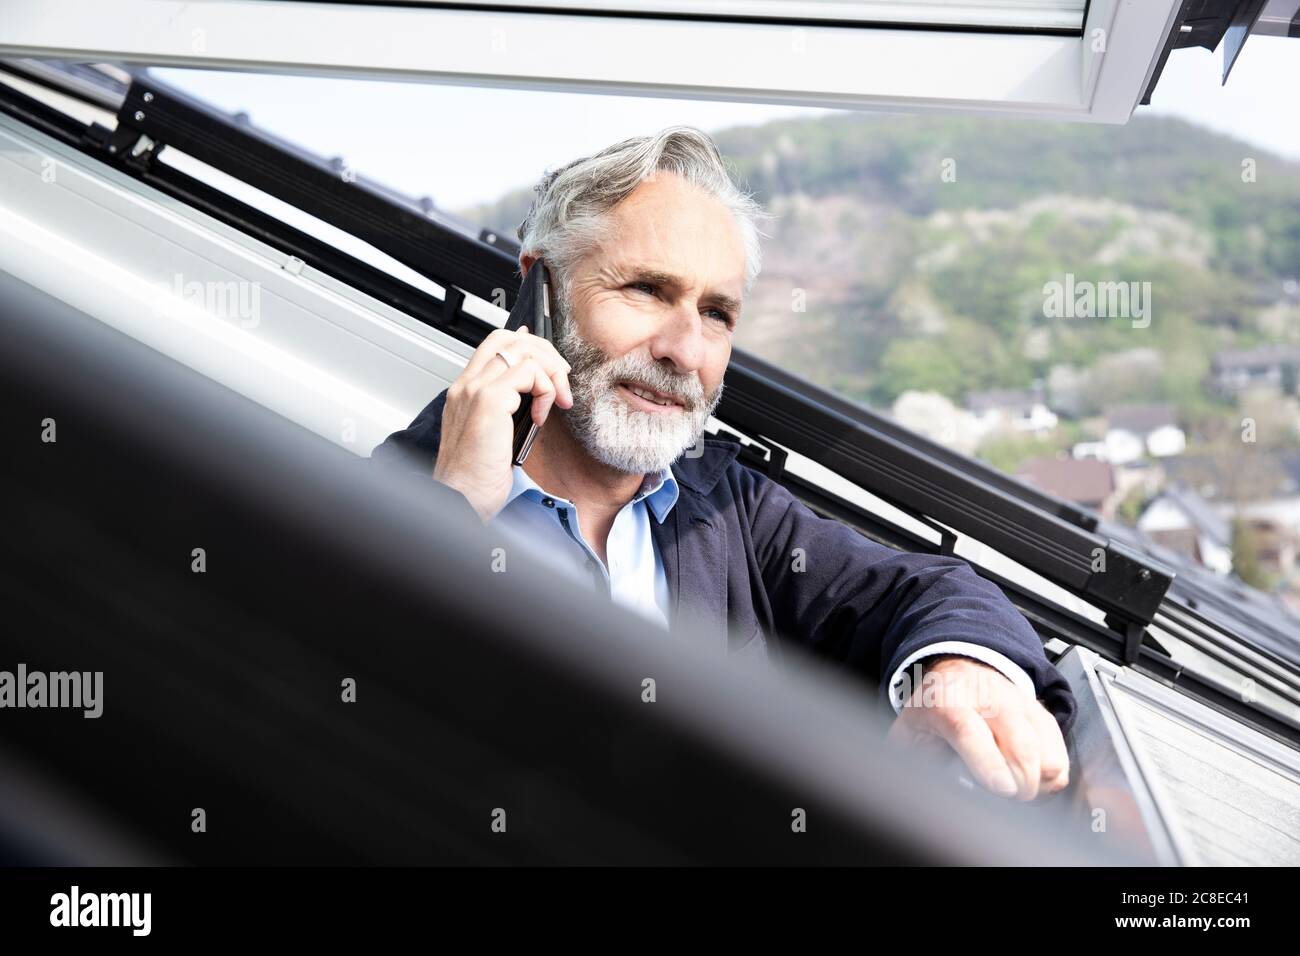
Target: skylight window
(1046,16)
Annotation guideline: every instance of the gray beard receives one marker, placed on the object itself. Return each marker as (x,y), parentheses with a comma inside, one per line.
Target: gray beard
(614,433)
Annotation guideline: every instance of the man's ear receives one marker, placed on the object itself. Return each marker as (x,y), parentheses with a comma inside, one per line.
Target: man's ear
(525,263)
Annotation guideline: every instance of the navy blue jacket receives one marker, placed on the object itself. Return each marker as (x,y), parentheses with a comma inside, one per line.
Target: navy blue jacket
(728,549)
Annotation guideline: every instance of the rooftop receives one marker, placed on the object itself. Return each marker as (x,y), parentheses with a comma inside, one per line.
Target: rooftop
(1141,419)
(1082,480)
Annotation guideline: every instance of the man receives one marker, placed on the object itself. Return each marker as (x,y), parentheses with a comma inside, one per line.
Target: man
(651,248)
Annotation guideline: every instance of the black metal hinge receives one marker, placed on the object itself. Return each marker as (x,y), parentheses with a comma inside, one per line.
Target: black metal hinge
(769,459)
(124,146)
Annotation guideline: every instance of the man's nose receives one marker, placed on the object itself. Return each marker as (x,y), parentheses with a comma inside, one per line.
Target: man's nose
(680,338)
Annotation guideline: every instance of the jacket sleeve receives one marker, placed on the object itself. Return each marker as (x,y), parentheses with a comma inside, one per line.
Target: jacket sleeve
(870,607)
(414,449)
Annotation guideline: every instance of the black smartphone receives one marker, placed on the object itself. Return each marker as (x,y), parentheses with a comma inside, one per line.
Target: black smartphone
(532,308)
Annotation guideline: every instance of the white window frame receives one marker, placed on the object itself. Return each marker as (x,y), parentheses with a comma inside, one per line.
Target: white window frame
(1033,15)
(1097,77)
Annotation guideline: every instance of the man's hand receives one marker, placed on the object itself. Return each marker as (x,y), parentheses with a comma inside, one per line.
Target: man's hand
(475,452)
(1011,743)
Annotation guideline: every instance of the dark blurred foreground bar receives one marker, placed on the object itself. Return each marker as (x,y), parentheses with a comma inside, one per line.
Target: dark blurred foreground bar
(475,692)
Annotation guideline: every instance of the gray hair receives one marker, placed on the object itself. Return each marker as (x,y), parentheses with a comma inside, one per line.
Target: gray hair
(569,217)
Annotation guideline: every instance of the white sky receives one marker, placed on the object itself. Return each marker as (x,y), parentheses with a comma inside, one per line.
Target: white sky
(462,144)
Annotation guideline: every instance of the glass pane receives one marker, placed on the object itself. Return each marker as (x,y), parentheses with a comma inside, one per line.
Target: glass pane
(1094,309)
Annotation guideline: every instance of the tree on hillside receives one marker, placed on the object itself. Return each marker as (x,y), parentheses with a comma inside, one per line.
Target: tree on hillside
(1245,556)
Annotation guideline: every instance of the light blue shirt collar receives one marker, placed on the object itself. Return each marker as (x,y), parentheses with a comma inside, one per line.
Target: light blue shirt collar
(659,490)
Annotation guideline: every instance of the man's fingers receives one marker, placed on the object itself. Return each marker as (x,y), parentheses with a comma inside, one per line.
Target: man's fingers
(542,389)
(968,734)
(1021,754)
(1018,737)
(1014,747)
(543,354)
(519,344)
(1056,759)
(486,354)
(555,365)
(526,378)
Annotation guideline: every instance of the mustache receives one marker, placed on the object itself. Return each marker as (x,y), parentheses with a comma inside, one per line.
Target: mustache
(593,370)
(685,389)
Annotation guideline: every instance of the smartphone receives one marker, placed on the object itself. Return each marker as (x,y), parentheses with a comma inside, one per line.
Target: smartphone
(533,309)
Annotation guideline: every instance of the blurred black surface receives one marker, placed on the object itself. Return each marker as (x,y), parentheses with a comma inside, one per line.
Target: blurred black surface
(475,691)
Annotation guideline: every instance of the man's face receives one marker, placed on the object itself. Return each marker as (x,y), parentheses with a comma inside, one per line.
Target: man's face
(652,311)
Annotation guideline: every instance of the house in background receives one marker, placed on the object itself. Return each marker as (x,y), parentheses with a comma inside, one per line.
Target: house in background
(1272,481)
(1204,474)
(1184,522)
(1086,481)
(1136,431)
(1271,511)
(1273,368)
(1019,410)
(1280,503)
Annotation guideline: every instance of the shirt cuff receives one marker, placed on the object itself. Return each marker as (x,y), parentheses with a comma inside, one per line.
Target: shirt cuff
(985,655)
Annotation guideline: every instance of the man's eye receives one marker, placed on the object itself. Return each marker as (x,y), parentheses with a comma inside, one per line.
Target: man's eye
(642,285)
(725,317)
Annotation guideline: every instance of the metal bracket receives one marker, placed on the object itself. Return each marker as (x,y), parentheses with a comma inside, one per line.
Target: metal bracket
(124,146)
(1133,632)
(453,300)
(776,462)
(1127,583)
(766,458)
